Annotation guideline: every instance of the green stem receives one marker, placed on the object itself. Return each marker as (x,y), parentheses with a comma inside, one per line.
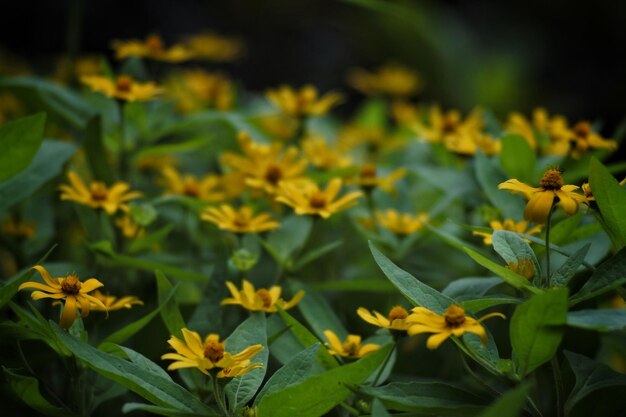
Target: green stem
(123,143)
(547,283)
(558,382)
(353,411)
(218,394)
(384,365)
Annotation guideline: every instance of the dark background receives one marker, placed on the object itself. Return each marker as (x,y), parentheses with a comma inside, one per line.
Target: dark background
(511,55)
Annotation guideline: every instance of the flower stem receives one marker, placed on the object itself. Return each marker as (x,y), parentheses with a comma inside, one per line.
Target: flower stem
(218,394)
(547,282)
(558,383)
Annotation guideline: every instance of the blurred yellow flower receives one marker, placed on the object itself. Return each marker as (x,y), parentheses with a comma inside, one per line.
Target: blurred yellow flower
(303,102)
(113,303)
(70,289)
(396,320)
(156,162)
(321,155)
(374,139)
(10,107)
(368,179)
(207,188)
(213,47)
(471,142)
(98,195)
(129,227)
(392,79)
(152,48)
(401,223)
(259,300)
(507,224)
(122,88)
(584,138)
(449,128)
(453,322)
(197,89)
(242,220)
(210,356)
(308,198)
(405,113)
(351,348)
(541,199)
(548,134)
(279,125)
(18,227)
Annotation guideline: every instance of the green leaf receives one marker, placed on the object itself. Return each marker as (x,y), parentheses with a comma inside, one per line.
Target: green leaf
(242,388)
(427,397)
(152,387)
(378,409)
(143,214)
(474,306)
(170,313)
(135,357)
(356,285)
(489,176)
(601,320)
(611,200)
(317,312)
(536,329)
(517,158)
(8,290)
(511,247)
(39,326)
(608,276)
(96,153)
(105,249)
(562,276)
(413,289)
(590,376)
(47,164)
(510,404)
(27,389)
(289,238)
(19,140)
(314,254)
(163,411)
(318,394)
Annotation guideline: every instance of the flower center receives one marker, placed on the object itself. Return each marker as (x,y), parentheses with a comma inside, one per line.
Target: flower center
(398,313)
(241,222)
(123,83)
(99,192)
(265,296)
(191,188)
(450,124)
(454,316)
(71,285)
(552,180)
(317,200)
(368,171)
(214,351)
(350,347)
(582,129)
(154,43)
(273,174)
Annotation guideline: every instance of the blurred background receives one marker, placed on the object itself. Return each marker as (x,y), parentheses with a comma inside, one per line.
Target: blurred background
(506,56)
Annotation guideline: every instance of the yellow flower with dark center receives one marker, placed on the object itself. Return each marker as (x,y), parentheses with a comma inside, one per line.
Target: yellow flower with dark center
(212,47)
(350,348)
(18,227)
(210,355)
(207,188)
(554,128)
(98,195)
(368,179)
(540,200)
(308,198)
(401,223)
(392,79)
(584,138)
(70,289)
(152,48)
(259,300)
(113,303)
(197,89)
(122,88)
(523,267)
(396,320)
(453,322)
(321,155)
(303,102)
(242,220)
(449,128)
(508,224)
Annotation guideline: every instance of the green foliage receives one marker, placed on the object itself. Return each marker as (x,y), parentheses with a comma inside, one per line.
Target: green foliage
(611,200)
(608,276)
(27,389)
(600,320)
(510,404)
(518,158)
(513,248)
(20,141)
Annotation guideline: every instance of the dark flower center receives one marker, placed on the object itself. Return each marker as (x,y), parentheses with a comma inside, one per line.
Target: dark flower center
(214,351)
(398,313)
(454,316)
(71,285)
(318,200)
(124,83)
(368,171)
(99,192)
(265,296)
(154,43)
(582,129)
(552,179)
(273,174)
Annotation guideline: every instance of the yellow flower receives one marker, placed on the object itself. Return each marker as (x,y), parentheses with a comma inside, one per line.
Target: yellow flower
(129,228)
(122,88)
(449,128)
(98,195)
(207,188)
(279,125)
(152,48)
(308,198)
(18,227)
(374,139)
(74,292)
(261,299)
(351,348)
(453,322)
(541,199)
(368,179)
(213,47)
(113,303)
(239,221)
(303,102)
(197,89)
(210,356)
(508,224)
(405,112)
(547,133)
(391,79)
(586,188)
(396,320)
(401,223)
(470,142)
(523,267)
(583,138)
(156,162)
(317,150)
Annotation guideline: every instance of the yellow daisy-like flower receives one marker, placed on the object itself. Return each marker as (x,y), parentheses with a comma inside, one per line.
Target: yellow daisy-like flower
(401,223)
(554,128)
(239,221)
(308,198)
(197,89)
(368,179)
(351,348)
(214,47)
(392,79)
(261,299)
(396,320)
(152,48)
(303,102)
(584,138)
(70,289)
(449,128)
(471,142)
(280,126)
(321,155)
(122,88)
(113,303)
(18,227)
(207,188)
(453,322)
(405,113)
(210,355)
(508,224)
(540,200)
(98,195)
(129,227)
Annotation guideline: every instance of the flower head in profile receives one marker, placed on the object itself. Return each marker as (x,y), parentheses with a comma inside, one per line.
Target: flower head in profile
(129,227)
(98,195)
(242,220)
(210,355)
(369,178)
(449,128)
(151,48)
(71,289)
(583,138)
(541,199)
(395,320)
(508,224)
(392,79)
(113,303)
(303,102)
(401,223)
(308,198)
(350,348)
(207,188)
(122,88)
(453,322)
(259,300)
